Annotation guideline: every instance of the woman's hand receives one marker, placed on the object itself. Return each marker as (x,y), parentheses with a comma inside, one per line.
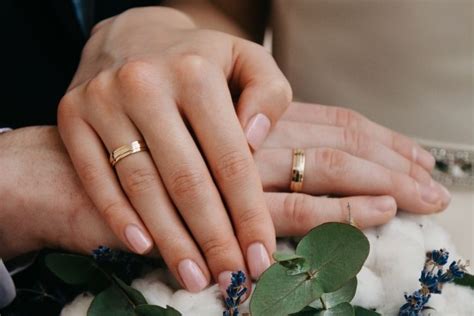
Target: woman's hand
(45,205)
(149,74)
(349,155)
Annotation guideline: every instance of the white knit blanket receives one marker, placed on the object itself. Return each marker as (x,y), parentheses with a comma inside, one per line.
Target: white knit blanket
(397,254)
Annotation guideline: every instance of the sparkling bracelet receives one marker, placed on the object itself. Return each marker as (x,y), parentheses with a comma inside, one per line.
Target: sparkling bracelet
(5,129)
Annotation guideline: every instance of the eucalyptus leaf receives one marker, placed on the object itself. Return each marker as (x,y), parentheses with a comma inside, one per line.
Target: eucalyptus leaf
(278,293)
(294,263)
(154,310)
(466,280)
(343,295)
(360,311)
(335,253)
(77,270)
(307,311)
(133,295)
(111,302)
(343,309)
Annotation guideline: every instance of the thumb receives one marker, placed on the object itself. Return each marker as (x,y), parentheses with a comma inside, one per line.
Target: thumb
(265,93)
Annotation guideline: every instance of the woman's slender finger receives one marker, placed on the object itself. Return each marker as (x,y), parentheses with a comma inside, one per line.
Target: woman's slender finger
(189,184)
(332,115)
(142,184)
(331,171)
(213,119)
(292,134)
(294,214)
(90,159)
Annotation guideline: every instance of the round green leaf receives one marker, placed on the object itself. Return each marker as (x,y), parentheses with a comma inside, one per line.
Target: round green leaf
(77,270)
(134,295)
(343,295)
(294,263)
(343,309)
(278,293)
(111,302)
(336,253)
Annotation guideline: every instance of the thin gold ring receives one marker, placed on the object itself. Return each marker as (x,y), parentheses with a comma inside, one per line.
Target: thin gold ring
(297,171)
(127,150)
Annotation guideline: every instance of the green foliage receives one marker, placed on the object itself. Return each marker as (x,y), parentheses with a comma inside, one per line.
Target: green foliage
(78,270)
(466,280)
(332,299)
(334,253)
(295,264)
(114,296)
(360,311)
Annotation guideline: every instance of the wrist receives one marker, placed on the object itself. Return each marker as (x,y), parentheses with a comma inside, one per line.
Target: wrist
(16,235)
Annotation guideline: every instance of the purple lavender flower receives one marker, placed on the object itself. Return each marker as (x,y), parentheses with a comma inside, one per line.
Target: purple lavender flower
(432,279)
(438,257)
(235,293)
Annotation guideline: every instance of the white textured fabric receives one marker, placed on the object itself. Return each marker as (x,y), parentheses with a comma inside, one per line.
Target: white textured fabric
(392,268)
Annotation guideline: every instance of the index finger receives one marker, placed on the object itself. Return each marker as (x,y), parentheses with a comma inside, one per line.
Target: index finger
(213,119)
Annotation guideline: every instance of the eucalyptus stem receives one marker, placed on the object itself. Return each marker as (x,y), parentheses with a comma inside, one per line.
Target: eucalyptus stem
(322,303)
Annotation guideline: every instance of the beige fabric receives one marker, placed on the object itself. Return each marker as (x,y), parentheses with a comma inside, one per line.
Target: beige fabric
(407,64)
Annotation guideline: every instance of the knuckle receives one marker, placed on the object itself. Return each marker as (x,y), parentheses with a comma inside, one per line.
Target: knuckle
(233,166)
(136,76)
(90,173)
(193,68)
(355,141)
(66,108)
(217,246)
(113,210)
(187,183)
(252,218)
(298,209)
(281,88)
(140,180)
(334,163)
(98,87)
(347,118)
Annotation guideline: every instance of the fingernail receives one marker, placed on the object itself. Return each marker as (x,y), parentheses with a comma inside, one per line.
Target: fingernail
(257,130)
(224,280)
(258,259)
(425,159)
(137,239)
(192,276)
(445,195)
(428,193)
(384,203)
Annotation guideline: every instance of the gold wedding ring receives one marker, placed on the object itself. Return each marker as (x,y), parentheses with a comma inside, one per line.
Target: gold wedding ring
(127,150)
(297,171)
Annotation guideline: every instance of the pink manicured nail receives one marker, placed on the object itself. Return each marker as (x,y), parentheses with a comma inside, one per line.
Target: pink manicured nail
(384,203)
(192,276)
(429,193)
(224,280)
(137,239)
(445,195)
(257,130)
(257,258)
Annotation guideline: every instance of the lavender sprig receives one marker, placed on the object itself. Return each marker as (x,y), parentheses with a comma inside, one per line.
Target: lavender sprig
(432,279)
(235,292)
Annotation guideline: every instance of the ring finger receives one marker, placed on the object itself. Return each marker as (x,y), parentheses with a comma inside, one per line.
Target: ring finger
(331,171)
(141,183)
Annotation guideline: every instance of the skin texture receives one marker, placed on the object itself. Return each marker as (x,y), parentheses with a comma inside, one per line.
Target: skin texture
(152,66)
(43,186)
